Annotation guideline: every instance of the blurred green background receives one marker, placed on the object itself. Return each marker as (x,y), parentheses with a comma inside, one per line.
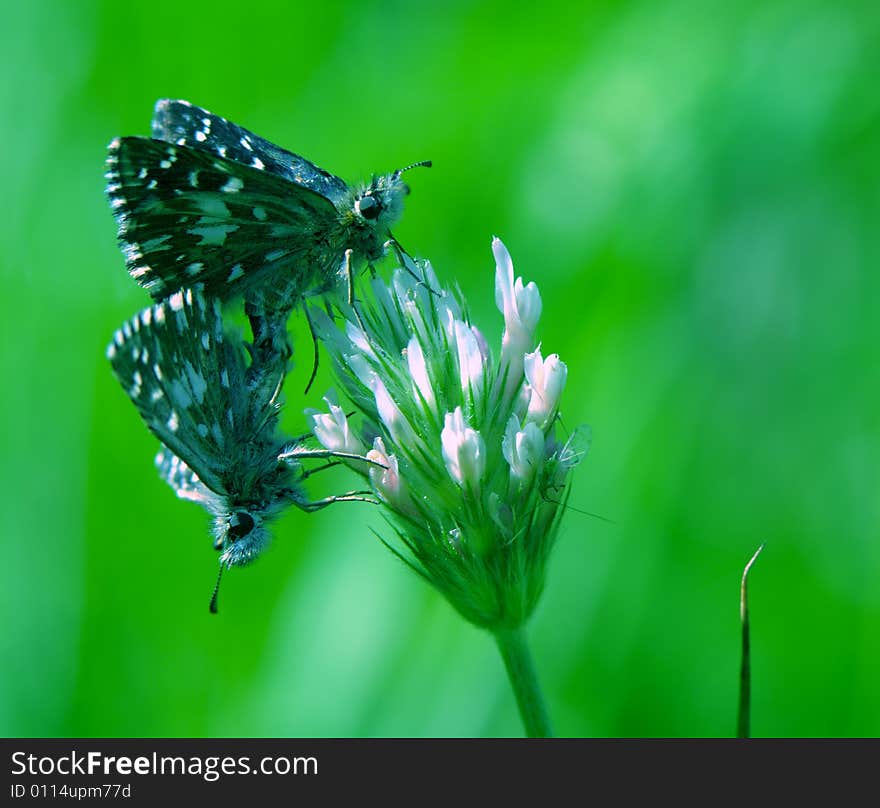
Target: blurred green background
(694,187)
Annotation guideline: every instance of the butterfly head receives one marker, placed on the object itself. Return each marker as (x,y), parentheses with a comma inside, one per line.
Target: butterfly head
(241,535)
(380,203)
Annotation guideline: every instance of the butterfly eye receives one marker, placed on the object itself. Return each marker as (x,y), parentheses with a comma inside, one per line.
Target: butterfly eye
(240,524)
(368,207)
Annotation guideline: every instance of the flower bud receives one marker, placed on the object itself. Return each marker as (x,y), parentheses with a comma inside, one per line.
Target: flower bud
(546,380)
(385,477)
(521,307)
(463,450)
(470,359)
(333,430)
(395,421)
(523,450)
(418,369)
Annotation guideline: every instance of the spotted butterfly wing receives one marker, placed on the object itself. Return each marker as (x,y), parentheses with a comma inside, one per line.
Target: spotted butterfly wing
(184,480)
(187,378)
(185,124)
(187,216)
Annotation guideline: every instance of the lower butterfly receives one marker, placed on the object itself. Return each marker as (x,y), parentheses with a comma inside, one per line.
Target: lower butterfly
(221,447)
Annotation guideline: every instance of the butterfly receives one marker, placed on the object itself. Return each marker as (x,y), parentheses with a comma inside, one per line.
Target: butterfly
(221,447)
(204,201)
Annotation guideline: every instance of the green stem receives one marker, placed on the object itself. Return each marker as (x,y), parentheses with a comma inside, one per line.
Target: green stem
(521,670)
(743,722)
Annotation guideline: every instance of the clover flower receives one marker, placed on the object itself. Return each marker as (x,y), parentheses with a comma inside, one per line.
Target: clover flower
(464,442)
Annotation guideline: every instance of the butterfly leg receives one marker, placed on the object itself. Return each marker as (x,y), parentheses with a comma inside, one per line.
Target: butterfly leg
(349,274)
(406,261)
(351,496)
(325,454)
(315,347)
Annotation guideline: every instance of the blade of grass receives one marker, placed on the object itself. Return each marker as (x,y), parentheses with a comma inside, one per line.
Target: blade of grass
(743,725)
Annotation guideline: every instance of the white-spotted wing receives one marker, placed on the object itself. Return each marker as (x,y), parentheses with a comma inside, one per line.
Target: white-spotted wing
(185,124)
(188,217)
(187,378)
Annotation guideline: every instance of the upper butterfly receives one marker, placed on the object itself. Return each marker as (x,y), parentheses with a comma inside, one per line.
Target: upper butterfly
(206,202)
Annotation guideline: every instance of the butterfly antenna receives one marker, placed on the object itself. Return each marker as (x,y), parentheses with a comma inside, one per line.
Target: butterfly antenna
(212,607)
(425,163)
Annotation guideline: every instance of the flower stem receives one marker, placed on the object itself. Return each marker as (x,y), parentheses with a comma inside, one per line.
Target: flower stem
(521,670)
